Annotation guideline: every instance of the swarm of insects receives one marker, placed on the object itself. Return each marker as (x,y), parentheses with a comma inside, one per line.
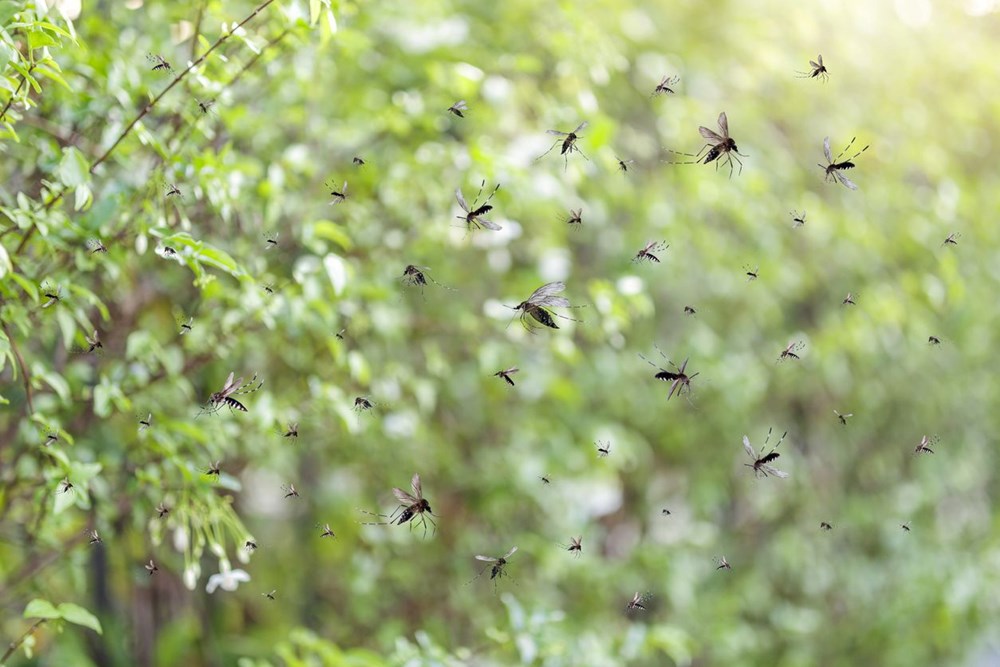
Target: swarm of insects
(159,63)
(96,246)
(413,507)
(638,602)
(339,196)
(575,546)
(834,168)
(924,446)
(499,567)
(722,148)
(623,164)
(474,214)
(224,397)
(761,465)
(458,108)
(791,350)
(603,448)
(678,378)
(798,219)
(843,418)
(664,86)
(505,375)
(952,239)
(568,144)
(648,252)
(818,70)
(536,307)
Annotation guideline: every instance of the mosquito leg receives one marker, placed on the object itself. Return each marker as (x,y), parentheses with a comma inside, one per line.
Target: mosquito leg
(556,143)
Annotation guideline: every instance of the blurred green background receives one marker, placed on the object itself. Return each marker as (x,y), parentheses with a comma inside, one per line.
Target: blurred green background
(301,89)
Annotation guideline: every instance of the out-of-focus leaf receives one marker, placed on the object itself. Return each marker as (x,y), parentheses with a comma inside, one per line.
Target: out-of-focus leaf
(39,608)
(74,613)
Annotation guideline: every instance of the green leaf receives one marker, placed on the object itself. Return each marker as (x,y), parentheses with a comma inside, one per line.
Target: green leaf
(80,616)
(314,9)
(38,39)
(205,253)
(39,608)
(7,10)
(73,170)
(331,231)
(5,265)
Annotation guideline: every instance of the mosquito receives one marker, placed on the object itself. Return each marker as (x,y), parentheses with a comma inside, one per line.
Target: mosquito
(232,388)
(906,526)
(843,418)
(457,108)
(664,86)
(167,251)
(835,167)
(603,448)
(545,479)
(924,447)
(536,306)
(145,423)
(850,300)
(93,342)
(498,569)
(326,530)
(172,190)
(250,546)
(575,216)
(358,161)
(65,486)
(751,274)
(574,547)
(417,276)
(94,537)
(338,196)
(678,378)
(159,62)
(568,143)
(638,602)
(53,294)
(185,327)
(50,438)
(162,511)
(952,239)
(723,564)
(205,105)
(719,146)
(270,596)
(798,219)
(665,512)
(214,470)
(790,351)
(825,526)
(761,464)
(623,164)
(474,214)
(818,70)
(96,246)
(648,252)
(270,241)
(340,334)
(292,431)
(290,491)
(151,567)
(505,375)
(689,310)
(412,508)
(362,404)
(933,340)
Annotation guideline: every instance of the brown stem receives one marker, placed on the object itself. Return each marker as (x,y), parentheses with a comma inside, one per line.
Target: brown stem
(13,97)
(25,378)
(16,644)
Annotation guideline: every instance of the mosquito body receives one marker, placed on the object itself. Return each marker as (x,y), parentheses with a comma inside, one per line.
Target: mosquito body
(93,342)
(623,164)
(457,108)
(825,526)
(206,106)
(358,161)
(270,596)
(575,216)
(689,310)
(474,214)
(499,567)
(850,300)
(924,446)
(53,295)
(843,418)
(751,274)
(761,465)
(648,252)
(270,241)
(575,546)
(664,86)
(834,167)
(65,486)
(505,375)
(536,307)
(906,526)
(721,148)
(185,326)
(798,219)
(162,511)
(665,512)
(678,378)
(362,404)
(791,351)
(290,491)
(567,144)
(224,397)
(326,531)
(172,190)
(96,246)
(818,70)
(250,545)
(638,602)
(214,470)
(723,564)
(159,63)
(603,448)
(94,537)
(952,239)
(417,276)
(933,340)
(413,508)
(339,196)
(291,431)
(151,568)
(545,479)
(146,422)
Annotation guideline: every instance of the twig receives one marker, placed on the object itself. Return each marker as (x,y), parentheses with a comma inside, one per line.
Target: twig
(16,644)
(24,80)
(25,378)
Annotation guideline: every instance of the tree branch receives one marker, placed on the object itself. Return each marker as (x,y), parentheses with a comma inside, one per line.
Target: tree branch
(25,378)
(14,645)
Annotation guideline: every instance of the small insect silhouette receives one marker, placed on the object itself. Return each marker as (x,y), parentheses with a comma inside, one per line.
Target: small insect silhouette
(623,164)
(568,144)
(575,546)
(818,70)
(339,196)
(834,168)
(678,378)
(289,490)
(162,511)
(843,418)
(185,326)
(205,106)
(159,62)
(270,240)
(575,217)
(798,219)
(648,252)
(825,526)
(952,239)
(270,596)
(52,294)
(545,479)
(326,531)
(791,350)
(151,567)
(723,564)
(664,86)
(358,161)
(721,148)
(65,486)
(850,299)
(291,431)
(457,108)
(474,214)
(638,602)
(689,310)
(906,526)
(362,404)
(417,276)
(214,470)
(93,343)
(172,190)
(603,448)
(50,439)
(94,537)
(167,251)
(499,567)
(505,375)
(933,340)
(250,545)
(924,446)
(536,307)
(761,465)
(96,246)
(224,397)
(665,512)
(413,508)
(145,422)
(751,274)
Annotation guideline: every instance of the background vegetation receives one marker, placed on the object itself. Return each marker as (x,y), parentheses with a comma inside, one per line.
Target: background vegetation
(301,89)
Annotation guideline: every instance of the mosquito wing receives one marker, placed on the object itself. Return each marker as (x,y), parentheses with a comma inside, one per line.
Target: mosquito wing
(546,290)
(557,132)
(749,448)
(580,127)
(710,134)
(489,224)
(826,149)
(724,124)
(771,470)
(820,57)
(461,200)
(814,65)
(513,549)
(555,302)
(848,183)
(487,559)
(415,485)
(403,497)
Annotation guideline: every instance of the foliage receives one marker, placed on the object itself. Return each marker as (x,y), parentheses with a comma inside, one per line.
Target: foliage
(185,175)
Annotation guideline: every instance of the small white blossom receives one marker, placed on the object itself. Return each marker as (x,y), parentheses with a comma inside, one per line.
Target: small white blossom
(229,580)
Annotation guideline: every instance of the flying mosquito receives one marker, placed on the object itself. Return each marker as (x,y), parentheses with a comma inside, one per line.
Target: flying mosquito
(906,526)
(933,340)
(338,196)
(843,418)
(790,351)
(546,479)
(924,446)
(665,512)
(638,602)
(474,214)
(145,422)
(412,507)
(498,569)
(818,70)
(417,276)
(537,306)
(340,334)
(172,190)
(250,545)
(96,246)
(723,564)
(52,294)
(678,378)
(574,547)
(719,146)
(457,108)
(648,252)
(358,161)
(93,342)
(224,397)
(214,469)
(798,219)
(151,567)
(762,464)
(362,404)
(664,86)
(185,327)
(162,511)
(623,164)
(825,526)
(505,375)
(94,537)
(290,491)
(326,530)
(270,596)
(952,239)
(167,251)
(850,300)
(575,217)
(205,106)
(50,438)
(835,167)
(292,430)
(603,448)
(568,143)
(689,310)
(270,241)
(751,274)
(65,486)
(159,62)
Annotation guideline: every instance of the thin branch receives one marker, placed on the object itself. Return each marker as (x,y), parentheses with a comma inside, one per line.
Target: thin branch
(25,378)
(197,30)
(14,645)
(24,80)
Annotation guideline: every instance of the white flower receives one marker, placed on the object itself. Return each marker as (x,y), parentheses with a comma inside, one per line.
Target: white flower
(181,541)
(229,580)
